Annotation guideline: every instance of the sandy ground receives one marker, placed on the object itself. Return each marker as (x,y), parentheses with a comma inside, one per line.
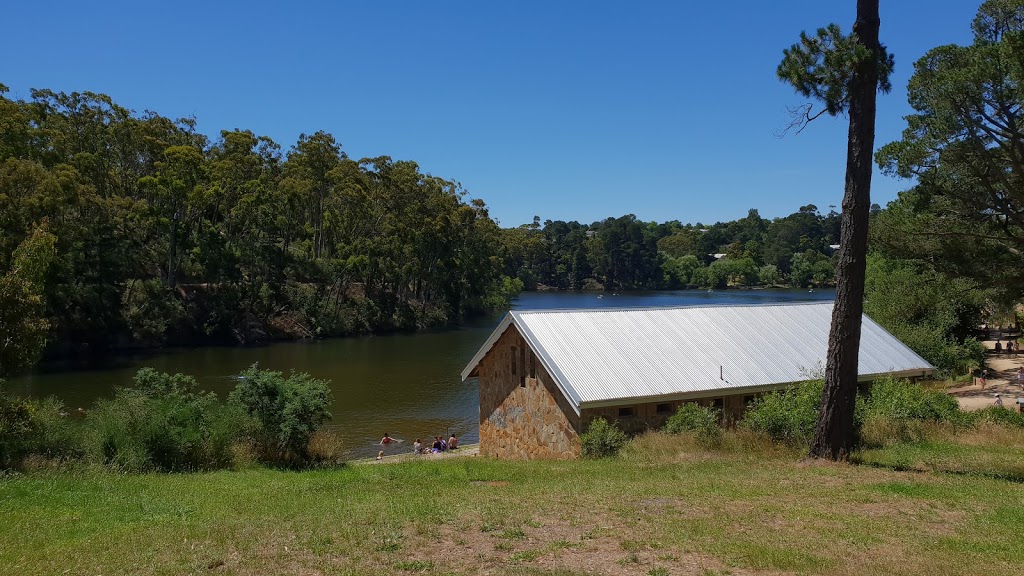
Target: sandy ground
(1002,380)
(467,450)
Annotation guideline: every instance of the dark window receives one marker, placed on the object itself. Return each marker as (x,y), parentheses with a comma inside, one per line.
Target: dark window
(663,408)
(626,412)
(748,399)
(718,403)
(522,365)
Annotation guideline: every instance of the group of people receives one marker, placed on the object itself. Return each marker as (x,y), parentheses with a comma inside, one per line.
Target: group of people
(1010,348)
(439,445)
(1020,383)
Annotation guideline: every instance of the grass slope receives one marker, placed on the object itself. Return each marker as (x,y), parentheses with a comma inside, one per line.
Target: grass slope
(665,506)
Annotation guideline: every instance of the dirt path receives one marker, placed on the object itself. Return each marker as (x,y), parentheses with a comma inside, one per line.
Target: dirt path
(1002,380)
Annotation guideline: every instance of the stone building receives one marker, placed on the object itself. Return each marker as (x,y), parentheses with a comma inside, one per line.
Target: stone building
(545,374)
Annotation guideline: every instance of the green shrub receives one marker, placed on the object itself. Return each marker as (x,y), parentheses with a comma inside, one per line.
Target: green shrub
(287,411)
(164,424)
(901,411)
(16,426)
(602,439)
(999,415)
(787,416)
(35,427)
(692,417)
(904,400)
(55,436)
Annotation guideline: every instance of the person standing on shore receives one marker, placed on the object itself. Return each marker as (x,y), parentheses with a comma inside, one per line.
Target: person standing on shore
(983,378)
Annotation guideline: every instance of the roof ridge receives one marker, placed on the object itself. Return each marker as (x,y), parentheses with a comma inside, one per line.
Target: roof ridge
(674,307)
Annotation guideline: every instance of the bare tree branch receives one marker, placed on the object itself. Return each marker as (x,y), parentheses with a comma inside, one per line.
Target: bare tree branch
(799,118)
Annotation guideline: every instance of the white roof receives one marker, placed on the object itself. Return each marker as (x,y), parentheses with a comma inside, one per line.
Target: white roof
(600,357)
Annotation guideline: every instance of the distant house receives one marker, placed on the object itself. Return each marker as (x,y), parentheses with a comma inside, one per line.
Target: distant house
(544,375)
(718,256)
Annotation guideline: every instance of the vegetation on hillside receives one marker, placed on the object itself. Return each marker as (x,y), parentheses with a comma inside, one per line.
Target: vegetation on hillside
(162,235)
(667,504)
(629,254)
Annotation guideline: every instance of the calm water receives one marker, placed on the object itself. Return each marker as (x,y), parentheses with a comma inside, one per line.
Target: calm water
(407,385)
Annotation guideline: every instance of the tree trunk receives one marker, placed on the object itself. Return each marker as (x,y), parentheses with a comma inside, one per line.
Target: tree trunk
(172,264)
(833,434)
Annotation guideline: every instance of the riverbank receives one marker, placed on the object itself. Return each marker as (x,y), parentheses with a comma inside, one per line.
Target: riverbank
(405,384)
(665,506)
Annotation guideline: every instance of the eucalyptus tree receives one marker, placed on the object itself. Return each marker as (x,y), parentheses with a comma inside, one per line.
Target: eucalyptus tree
(843,72)
(178,194)
(23,324)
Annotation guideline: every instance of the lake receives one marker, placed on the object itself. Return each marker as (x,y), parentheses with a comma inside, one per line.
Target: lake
(405,384)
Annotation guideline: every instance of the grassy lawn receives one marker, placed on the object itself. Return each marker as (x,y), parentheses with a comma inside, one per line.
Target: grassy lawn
(666,506)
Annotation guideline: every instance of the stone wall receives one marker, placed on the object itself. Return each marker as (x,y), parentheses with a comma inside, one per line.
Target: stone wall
(523,414)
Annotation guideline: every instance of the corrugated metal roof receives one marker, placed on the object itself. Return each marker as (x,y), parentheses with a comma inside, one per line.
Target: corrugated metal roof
(599,356)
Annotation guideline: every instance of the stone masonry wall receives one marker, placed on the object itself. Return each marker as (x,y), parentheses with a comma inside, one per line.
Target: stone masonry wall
(523,414)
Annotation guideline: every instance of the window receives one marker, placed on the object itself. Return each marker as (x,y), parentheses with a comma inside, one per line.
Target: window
(522,365)
(626,412)
(748,399)
(718,403)
(663,408)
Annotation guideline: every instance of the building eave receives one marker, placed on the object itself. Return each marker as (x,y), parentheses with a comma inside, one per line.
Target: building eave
(735,390)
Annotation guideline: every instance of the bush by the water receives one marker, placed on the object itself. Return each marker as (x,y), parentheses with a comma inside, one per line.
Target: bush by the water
(165,424)
(787,416)
(602,439)
(16,428)
(701,421)
(35,427)
(287,411)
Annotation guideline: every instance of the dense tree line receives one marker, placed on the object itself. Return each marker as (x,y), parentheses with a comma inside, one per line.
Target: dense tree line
(626,253)
(153,233)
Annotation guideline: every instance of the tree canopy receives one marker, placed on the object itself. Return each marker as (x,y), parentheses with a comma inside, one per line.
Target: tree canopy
(160,234)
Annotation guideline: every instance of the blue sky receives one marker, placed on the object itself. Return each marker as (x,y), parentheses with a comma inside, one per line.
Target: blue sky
(571,111)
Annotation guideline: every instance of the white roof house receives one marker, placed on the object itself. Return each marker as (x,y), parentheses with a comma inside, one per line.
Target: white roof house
(607,357)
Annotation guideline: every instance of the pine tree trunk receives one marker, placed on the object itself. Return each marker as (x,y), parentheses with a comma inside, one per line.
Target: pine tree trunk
(833,434)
